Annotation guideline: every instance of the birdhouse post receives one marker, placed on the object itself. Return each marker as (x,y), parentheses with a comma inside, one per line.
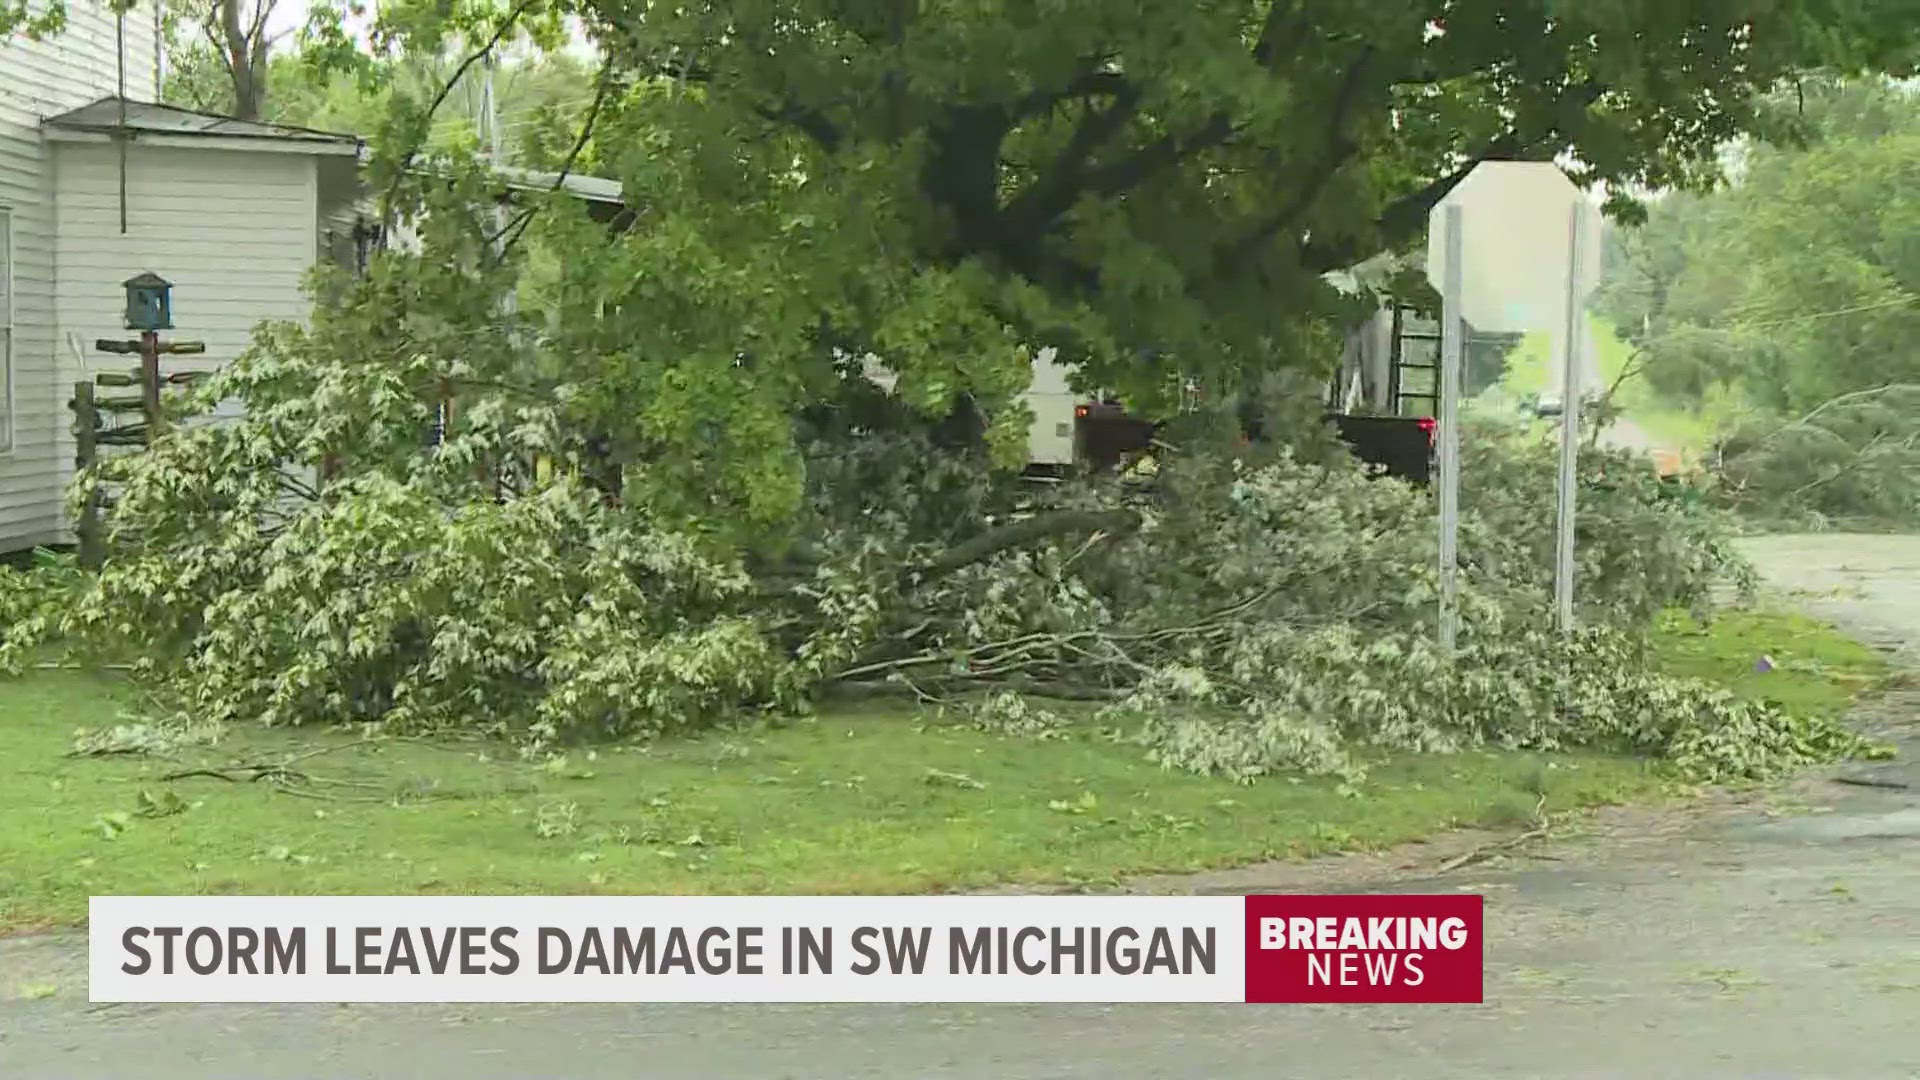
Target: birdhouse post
(149,310)
(86,430)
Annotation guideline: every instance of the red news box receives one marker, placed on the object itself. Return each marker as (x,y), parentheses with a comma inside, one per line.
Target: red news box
(1362,949)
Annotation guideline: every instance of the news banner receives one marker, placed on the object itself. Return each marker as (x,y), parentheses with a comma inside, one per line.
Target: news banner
(1260,949)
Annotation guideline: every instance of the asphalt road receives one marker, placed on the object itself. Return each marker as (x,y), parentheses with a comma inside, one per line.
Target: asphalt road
(1772,935)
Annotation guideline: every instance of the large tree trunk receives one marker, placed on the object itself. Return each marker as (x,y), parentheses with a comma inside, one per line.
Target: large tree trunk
(246,49)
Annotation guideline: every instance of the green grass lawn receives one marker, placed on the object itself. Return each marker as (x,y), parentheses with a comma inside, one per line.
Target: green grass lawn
(869,801)
(1816,670)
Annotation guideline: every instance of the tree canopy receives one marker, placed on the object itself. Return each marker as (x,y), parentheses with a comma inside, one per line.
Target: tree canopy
(1783,308)
(1155,190)
(1799,282)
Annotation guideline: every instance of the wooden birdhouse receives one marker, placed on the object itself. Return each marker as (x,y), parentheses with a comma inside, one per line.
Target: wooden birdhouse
(149,302)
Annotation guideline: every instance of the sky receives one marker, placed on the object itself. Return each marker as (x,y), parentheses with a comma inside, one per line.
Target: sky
(289,15)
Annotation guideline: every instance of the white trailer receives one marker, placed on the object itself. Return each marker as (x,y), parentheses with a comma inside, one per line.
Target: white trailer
(1050,438)
(1050,442)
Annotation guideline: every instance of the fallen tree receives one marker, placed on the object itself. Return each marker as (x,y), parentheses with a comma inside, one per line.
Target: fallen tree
(1852,461)
(1236,615)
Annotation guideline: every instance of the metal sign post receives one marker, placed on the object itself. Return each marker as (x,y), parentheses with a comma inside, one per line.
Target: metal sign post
(1498,271)
(1452,349)
(1572,389)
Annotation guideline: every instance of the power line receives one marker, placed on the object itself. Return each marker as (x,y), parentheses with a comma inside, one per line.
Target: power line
(1881,306)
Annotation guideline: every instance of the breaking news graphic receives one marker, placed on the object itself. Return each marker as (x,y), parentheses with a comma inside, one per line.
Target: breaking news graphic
(1256,949)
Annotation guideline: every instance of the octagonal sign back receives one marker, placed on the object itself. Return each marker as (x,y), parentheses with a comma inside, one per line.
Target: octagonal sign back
(1516,239)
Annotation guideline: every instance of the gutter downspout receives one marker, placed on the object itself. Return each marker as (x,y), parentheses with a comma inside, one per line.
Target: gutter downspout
(120,63)
(159,53)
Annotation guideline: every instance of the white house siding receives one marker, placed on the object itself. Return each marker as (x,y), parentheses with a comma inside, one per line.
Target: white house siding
(40,79)
(233,230)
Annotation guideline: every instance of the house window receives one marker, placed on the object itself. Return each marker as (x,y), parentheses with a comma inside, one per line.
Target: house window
(6,329)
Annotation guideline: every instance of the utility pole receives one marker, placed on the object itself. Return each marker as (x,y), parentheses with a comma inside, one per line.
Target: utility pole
(490,112)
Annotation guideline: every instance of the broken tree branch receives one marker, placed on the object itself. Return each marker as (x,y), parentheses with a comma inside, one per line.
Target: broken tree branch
(1020,533)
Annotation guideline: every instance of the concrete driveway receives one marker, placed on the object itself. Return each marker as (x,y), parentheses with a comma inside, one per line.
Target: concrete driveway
(1775,935)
